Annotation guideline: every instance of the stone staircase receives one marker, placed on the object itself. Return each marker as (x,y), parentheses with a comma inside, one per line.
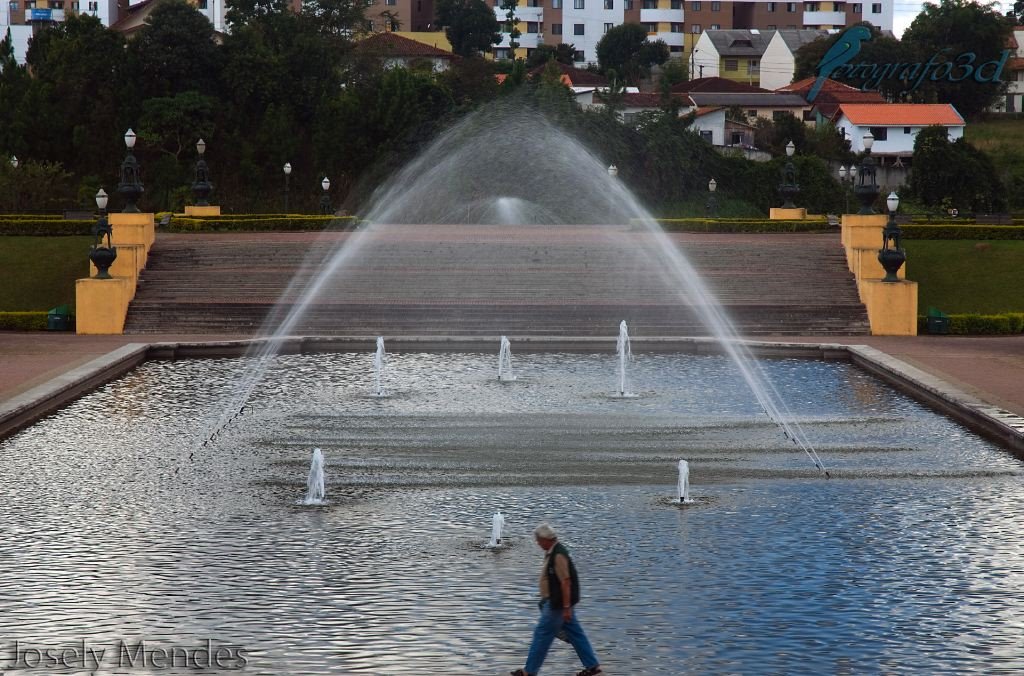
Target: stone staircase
(491,280)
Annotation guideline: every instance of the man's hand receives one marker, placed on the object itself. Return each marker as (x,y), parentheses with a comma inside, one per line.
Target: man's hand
(567,614)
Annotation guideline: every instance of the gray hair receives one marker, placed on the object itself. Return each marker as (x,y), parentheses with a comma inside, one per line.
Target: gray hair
(545,531)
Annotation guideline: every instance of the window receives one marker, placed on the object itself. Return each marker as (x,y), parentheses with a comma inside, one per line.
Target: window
(706,135)
(857,8)
(556,29)
(716,6)
(556,4)
(751,113)
(579,4)
(737,138)
(629,118)
(649,4)
(14,6)
(676,27)
(609,4)
(578,56)
(74,7)
(716,26)
(94,6)
(732,64)
(200,4)
(695,6)
(695,28)
(876,8)
(677,4)
(839,6)
(628,5)
(30,4)
(753,66)
(780,115)
(880,133)
(812,7)
(650,27)
(534,3)
(772,27)
(532,27)
(58,4)
(578,29)
(791,7)
(906,130)
(390,2)
(771,6)
(369,25)
(608,27)
(675,49)
(501,53)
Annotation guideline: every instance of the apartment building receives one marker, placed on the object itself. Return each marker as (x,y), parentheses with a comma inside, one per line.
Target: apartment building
(680,23)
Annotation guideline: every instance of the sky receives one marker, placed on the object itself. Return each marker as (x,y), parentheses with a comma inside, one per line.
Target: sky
(906,10)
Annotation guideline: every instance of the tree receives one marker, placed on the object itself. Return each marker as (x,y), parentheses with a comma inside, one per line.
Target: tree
(341,19)
(953,174)
(175,52)
(14,82)
(959,27)
(470,26)
(674,71)
(626,50)
(562,53)
(241,12)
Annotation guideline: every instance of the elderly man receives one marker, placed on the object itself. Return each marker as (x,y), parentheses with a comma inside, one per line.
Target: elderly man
(559,592)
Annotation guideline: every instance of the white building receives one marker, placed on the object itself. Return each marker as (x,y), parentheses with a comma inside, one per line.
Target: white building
(894,125)
(1013,74)
(778,63)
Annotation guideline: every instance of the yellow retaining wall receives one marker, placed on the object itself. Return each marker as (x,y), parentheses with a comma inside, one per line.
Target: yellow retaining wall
(892,306)
(780,214)
(101,305)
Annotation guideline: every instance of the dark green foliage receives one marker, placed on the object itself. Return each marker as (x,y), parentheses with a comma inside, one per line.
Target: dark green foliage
(259,224)
(955,27)
(52,226)
(914,231)
(470,26)
(748,225)
(23,321)
(953,174)
(39,186)
(562,53)
(974,325)
(625,50)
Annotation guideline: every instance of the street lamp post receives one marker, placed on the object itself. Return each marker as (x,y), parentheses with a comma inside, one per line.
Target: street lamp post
(867,187)
(130,186)
(325,200)
(202,186)
(287,178)
(102,255)
(712,204)
(892,255)
(846,183)
(789,188)
(14,186)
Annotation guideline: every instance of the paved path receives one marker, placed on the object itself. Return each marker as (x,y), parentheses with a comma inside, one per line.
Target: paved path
(991,368)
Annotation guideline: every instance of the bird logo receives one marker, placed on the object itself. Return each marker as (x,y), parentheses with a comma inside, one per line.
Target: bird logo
(844,49)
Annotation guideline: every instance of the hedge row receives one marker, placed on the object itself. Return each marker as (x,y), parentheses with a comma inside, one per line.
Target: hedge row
(1007,323)
(23,321)
(40,227)
(960,231)
(258,223)
(741,225)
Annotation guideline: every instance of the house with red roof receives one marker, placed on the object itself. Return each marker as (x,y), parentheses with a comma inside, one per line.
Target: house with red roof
(1013,73)
(894,126)
(397,51)
(829,98)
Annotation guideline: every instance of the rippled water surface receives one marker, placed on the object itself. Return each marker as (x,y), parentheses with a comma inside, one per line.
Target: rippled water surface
(911,559)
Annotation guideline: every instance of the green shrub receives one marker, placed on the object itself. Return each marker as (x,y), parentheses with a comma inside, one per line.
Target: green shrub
(258,223)
(23,321)
(741,225)
(961,231)
(43,227)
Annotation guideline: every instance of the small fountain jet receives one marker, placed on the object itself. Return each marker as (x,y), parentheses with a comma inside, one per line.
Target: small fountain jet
(497,525)
(505,361)
(315,483)
(380,360)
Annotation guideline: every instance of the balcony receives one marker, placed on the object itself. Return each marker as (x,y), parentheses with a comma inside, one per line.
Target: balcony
(526,14)
(44,15)
(661,15)
(671,39)
(824,18)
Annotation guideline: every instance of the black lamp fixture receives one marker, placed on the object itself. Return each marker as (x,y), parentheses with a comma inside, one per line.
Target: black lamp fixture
(847,178)
(712,204)
(102,255)
(325,200)
(867,188)
(613,171)
(130,186)
(287,178)
(789,188)
(14,161)
(892,255)
(202,186)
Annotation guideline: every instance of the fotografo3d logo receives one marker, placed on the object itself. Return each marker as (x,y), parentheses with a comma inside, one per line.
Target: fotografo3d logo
(836,64)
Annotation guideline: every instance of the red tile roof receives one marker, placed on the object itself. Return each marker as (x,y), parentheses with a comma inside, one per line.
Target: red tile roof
(707,110)
(389,44)
(1015,63)
(804,85)
(716,85)
(901,114)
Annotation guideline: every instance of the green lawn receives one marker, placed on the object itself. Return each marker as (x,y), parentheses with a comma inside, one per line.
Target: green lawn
(996,134)
(967,276)
(40,272)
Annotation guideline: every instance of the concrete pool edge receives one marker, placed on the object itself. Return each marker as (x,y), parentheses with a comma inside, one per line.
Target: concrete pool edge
(987,420)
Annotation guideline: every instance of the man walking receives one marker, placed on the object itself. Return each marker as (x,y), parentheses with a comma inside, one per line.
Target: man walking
(559,592)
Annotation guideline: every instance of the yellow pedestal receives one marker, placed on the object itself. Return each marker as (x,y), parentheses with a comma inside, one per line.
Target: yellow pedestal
(861,232)
(202,211)
(128,264)
(892,307)
(864,265)
(101,305)
(133,229)
(780,214)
